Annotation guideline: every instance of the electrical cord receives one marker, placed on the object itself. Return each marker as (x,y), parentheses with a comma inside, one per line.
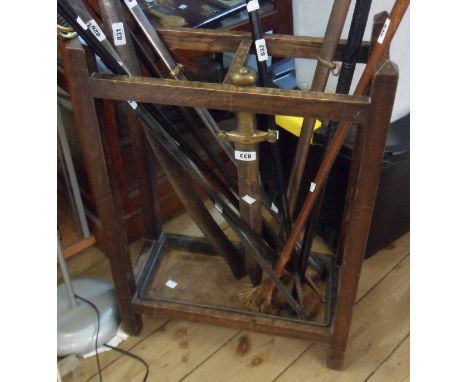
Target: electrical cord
(127,353)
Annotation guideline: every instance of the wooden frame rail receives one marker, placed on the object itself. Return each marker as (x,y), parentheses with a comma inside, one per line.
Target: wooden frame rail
(230,97)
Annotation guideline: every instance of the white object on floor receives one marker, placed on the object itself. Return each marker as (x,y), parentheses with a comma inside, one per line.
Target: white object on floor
(119,337)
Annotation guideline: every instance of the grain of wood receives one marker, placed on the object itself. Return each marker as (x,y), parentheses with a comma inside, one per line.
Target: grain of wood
(266,359)
(396,368)
(171,352)
(380,322)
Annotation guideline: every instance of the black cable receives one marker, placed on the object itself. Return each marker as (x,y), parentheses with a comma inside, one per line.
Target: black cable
(125,352)
(97,332)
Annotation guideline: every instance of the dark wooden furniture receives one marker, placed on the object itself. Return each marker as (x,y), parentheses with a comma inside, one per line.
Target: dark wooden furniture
(371,113)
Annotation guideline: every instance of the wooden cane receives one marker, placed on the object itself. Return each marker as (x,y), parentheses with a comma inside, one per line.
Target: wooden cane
(379,51)
(324,66)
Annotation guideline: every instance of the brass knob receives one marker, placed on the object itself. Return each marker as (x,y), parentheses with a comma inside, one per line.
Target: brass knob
(272,136)
(243,77)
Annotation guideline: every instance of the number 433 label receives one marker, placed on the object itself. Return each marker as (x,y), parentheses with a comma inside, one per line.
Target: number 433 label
(245,155)
(119,34)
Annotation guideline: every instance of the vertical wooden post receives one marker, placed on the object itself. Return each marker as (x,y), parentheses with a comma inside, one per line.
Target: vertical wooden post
(364,180)
(115,239)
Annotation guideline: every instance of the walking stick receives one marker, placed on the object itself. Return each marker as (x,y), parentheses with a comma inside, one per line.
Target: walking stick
(348,63)
(383,42)
(324,66)
(253,9)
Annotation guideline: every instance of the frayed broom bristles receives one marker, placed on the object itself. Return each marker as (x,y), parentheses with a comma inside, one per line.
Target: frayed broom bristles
(252,297)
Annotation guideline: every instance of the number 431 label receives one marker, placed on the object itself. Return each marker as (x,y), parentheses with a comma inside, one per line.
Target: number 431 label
(119,34)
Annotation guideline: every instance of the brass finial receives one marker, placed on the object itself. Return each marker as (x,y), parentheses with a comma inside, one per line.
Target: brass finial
(243,77)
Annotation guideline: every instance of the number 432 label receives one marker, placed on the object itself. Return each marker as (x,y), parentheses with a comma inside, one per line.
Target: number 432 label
(262,52)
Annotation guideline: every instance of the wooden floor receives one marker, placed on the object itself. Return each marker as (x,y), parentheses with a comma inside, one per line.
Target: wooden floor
(378,349)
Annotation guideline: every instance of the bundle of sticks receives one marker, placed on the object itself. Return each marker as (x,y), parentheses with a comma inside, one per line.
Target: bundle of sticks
(272,256)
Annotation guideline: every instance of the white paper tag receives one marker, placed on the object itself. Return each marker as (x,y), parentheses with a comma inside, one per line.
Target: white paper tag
(252,5)
(81,22)
(277,134)
(274,208)
(219,208)
(262,53)
(248,199)
(171,284)
(133,104)
(131,3)
(97,31)
(119,34)
(312,187)
(383,32)
(183,6)
(245,155)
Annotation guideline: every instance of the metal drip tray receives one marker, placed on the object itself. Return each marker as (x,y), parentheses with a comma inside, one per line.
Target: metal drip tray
(185,271)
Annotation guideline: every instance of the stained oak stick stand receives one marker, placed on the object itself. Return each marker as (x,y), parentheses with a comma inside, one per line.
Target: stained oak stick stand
(139,290)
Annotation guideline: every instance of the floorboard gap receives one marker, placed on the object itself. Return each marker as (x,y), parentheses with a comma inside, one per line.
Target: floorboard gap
(387,357)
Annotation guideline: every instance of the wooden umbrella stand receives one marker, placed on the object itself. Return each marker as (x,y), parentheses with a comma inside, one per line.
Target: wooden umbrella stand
(182,277)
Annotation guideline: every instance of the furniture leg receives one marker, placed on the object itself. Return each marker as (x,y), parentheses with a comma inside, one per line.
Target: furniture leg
(364,180)
(115,240)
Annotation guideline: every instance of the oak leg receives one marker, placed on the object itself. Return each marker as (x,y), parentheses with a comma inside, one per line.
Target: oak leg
(362,189)
(88,132)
